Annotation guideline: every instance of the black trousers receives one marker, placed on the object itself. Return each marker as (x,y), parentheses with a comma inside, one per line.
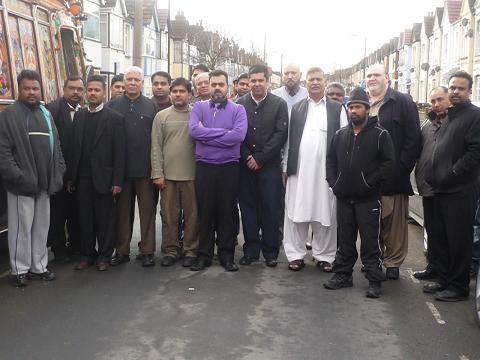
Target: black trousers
(63,209)
(363,217)
(216,187)
(428,225)
(453,218)
(259,200)
(97,218)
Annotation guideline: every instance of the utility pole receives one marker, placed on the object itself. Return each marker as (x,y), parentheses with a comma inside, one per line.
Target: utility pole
(364,57)
(168,38)
(138,34)
(265,48)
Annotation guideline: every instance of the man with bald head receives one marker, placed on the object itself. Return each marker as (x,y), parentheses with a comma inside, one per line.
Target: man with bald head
(398,114)
(202,84)
(291,91)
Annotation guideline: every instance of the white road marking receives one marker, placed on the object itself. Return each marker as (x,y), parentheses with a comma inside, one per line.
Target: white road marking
(435,313)
(463,357)
(410,272)
(5,274)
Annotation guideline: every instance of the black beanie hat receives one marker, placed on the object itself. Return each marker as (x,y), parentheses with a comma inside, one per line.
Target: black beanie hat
(358,95)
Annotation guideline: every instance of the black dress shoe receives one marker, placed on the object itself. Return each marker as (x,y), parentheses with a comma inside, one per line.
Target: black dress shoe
(432,288)
(230,266)
(247,260)
(148,260)
(374,290)
(188,261)
(200,264)
(168,261)
(427,274)
(450,295)
(45,276)
(119,259)
(271,262)
(20,280)
(392,273)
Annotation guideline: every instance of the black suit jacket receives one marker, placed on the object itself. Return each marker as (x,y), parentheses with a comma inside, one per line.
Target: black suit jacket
(61,116)
(108,154)
(298,117)
(267,129)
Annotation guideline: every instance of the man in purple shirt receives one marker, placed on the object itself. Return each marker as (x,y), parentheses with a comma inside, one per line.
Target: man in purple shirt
(218,127)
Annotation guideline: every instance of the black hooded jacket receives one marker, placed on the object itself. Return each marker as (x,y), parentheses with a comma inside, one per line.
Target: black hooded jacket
(358,164)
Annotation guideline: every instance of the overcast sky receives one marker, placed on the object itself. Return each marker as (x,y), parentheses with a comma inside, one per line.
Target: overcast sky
(329,34)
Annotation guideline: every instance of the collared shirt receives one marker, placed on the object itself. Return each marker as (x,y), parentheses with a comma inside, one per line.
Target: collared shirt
(318,111)
(259,101)
(97,109)
(73,110)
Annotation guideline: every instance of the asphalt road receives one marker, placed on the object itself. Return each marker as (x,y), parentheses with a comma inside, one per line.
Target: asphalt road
(130,312)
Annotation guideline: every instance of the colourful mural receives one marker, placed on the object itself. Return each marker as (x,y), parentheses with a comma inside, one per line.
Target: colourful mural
(46,56)
(5,75)
(29,46)
(15,43)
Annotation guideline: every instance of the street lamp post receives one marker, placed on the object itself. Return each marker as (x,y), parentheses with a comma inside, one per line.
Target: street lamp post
(364,56)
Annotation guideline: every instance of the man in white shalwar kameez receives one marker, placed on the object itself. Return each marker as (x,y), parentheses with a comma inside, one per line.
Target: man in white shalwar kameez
(309,201)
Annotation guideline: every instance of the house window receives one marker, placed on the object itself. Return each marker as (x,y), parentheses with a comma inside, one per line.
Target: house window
(158,45)
(177,52)
(186,54)
(477,88)
(445,47)
(477,38)
(104,29)
(150,42)
(116,32)
(128,39)
(91,27)
(164,45)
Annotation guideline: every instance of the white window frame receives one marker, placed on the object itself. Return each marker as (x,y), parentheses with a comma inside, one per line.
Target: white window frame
(127,38)
(113,30)
(90,15)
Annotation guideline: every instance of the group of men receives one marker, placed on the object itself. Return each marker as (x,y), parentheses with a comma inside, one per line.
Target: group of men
(296,161)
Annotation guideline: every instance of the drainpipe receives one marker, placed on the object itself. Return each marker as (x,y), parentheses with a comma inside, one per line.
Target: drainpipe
(138,34)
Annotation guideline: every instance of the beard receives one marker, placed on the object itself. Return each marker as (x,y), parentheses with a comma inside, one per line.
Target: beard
(357,120)
(218,96)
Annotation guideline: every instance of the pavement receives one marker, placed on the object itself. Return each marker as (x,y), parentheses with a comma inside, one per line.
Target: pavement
(130,312)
